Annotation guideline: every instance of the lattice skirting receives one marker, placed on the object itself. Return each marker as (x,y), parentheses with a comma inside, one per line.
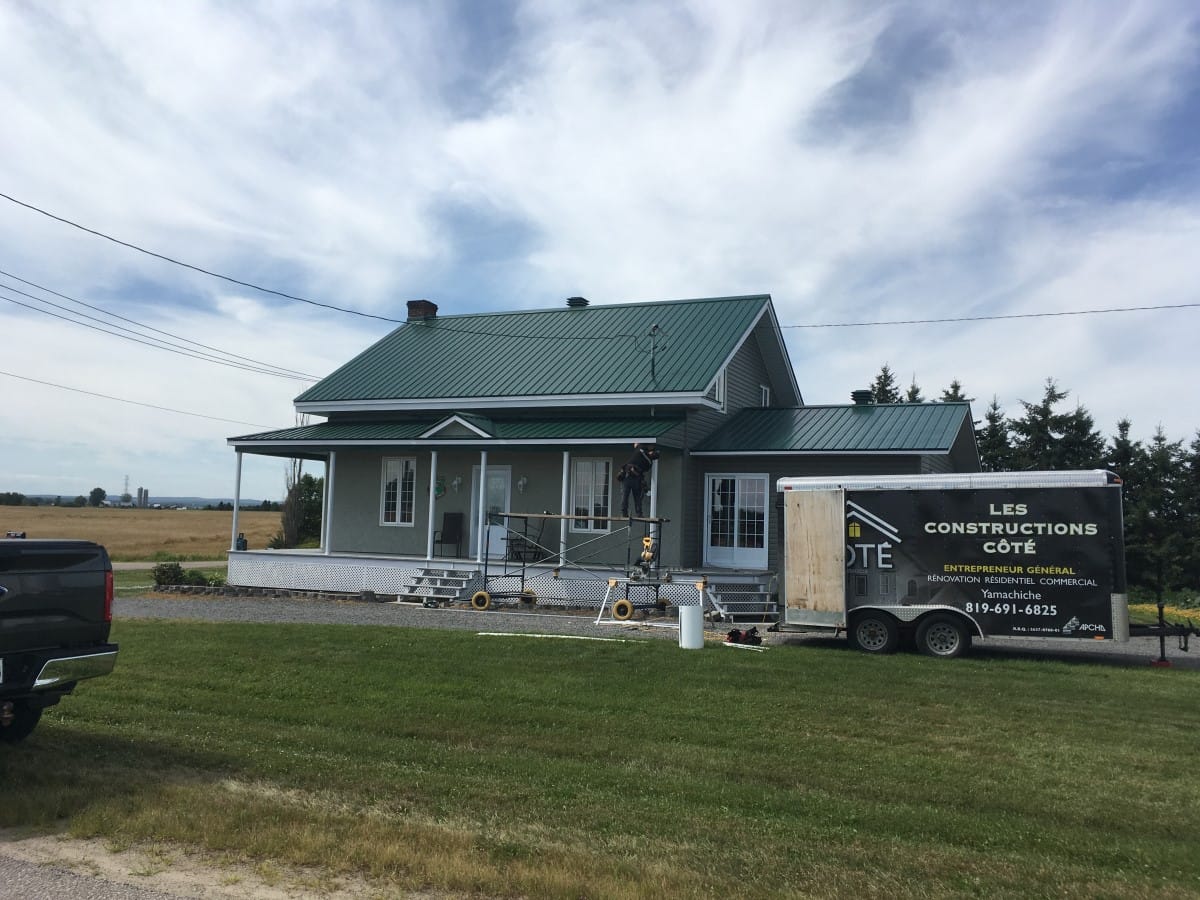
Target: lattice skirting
(299,574)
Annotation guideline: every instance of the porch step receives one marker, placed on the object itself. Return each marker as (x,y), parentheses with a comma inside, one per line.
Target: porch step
(435,585)
(743,603)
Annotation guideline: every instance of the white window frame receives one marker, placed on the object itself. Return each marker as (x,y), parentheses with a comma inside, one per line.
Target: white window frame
(587,525)
(401,462)
(733,556)
(764,395)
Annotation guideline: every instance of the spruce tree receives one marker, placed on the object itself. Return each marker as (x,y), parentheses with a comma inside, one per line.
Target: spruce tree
(994,440)
(884,387)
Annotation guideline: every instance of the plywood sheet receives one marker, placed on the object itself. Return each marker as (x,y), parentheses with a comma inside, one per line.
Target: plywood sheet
(814,562)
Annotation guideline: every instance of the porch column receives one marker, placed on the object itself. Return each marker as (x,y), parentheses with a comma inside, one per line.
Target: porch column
(432,497)
(327,510)
(654,529)
(566,499)
(481,517)
(237,500)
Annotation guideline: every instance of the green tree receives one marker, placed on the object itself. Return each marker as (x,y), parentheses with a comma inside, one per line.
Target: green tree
(1155,542)
(300,515)
(913,394)
(97,496)
(994,440)
(79,501)
(1044,438)
(954,393)
(884,388)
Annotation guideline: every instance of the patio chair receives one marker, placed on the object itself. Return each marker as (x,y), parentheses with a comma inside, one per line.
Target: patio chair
(451,533)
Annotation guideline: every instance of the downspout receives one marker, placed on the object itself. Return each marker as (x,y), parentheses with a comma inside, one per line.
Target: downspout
(566,498)
(481,517)
(237,500)
(327,512)
(433,459)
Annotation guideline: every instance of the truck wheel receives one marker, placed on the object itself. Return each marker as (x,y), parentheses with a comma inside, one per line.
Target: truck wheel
(481,600)
(24,721)
(622,610)
(943,635)
(874,632)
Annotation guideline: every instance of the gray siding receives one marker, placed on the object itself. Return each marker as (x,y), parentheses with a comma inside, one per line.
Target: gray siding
(358,485)
(777,467)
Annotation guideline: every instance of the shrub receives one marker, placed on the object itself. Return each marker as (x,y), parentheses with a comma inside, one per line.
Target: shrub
(168,573)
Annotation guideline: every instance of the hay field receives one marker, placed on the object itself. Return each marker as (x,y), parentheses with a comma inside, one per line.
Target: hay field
(143,534)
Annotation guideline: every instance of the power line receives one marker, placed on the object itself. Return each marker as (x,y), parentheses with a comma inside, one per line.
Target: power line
(132,402)
(144,326)
(1039,315)
(443,327)
(161,345)
(177,262)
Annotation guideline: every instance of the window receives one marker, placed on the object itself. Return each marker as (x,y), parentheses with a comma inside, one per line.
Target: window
(764,395)
(591,480)
(399,491)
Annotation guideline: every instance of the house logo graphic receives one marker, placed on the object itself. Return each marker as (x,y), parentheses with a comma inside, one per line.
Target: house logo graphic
(856,517)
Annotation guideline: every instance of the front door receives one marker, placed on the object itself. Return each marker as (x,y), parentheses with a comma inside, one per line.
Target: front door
(499,494)
(735,521)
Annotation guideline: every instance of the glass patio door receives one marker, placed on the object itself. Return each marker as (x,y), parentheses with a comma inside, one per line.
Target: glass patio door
(499,496)
(735,521)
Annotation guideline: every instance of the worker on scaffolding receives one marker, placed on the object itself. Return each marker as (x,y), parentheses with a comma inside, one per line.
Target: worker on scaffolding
(634,477)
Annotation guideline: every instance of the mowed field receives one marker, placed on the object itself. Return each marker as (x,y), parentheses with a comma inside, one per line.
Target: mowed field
(143,534)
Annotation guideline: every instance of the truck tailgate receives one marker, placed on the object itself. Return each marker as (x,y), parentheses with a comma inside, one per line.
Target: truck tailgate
(52,594)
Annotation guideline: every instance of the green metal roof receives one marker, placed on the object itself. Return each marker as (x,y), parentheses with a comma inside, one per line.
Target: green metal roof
(558,428)
(882,428)
(594,350)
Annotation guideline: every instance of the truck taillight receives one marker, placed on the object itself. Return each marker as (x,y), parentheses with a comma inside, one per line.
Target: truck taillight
(108,595)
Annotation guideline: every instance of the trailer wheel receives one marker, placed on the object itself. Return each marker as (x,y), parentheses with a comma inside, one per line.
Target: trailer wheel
(25,719)
(481,600)
(874,632)
(943,635)
(622,610)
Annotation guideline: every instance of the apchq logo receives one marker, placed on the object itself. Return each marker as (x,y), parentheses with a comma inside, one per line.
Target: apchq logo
(859,553)
(1089,627)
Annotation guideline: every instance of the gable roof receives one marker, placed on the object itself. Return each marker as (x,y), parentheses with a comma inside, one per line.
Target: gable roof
(855,428)
(587,354)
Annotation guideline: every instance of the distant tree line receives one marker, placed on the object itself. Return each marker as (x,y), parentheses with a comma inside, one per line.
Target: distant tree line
(1161,478)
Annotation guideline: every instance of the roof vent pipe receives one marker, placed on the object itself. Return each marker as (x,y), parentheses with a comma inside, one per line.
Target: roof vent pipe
(862,398)
(421,309)
(577,302)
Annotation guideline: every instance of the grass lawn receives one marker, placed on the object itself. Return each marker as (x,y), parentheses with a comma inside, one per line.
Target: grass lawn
(558,768)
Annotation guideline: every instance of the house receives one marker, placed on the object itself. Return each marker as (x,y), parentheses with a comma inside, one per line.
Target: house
(513,425)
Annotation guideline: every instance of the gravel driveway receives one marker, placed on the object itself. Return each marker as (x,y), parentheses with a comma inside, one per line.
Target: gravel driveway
(1138,652)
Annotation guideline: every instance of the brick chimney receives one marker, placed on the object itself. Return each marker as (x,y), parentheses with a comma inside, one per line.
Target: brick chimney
(419,310)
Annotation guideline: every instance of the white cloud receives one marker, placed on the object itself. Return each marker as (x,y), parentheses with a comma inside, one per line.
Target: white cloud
(1005,164)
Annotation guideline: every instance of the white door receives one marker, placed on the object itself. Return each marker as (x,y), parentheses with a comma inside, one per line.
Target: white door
(735,521)
(499,496)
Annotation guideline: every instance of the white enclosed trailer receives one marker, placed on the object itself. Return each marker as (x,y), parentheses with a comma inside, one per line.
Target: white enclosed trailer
(943,558)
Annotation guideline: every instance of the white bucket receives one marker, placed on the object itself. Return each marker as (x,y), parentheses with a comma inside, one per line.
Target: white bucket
(691,627)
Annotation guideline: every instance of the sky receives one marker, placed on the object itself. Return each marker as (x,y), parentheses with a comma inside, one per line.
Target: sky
(860,162)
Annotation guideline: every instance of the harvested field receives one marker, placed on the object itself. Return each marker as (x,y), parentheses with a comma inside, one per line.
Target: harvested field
(143,534)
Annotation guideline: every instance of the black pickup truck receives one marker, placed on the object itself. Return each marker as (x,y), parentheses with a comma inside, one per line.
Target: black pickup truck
(55,615)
